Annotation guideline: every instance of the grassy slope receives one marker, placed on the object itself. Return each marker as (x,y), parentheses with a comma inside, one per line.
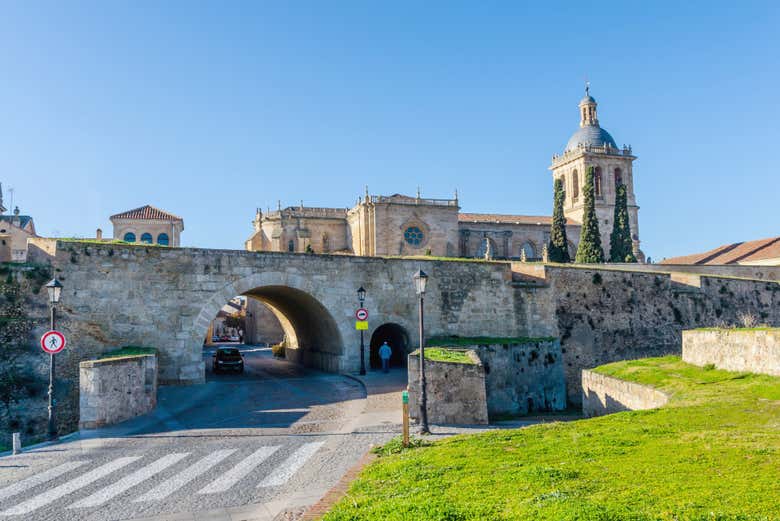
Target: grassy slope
(713,453)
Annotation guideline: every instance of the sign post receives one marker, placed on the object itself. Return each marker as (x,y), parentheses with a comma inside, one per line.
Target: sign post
(405,402)
(362,325)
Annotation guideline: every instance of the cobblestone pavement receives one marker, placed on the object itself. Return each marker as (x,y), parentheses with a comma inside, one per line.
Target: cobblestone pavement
(257,446)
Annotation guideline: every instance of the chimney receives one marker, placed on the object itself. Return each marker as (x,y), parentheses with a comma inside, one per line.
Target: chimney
(99,234)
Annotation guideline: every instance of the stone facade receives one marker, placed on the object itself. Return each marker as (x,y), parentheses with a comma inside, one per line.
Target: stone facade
(524,378)
(14,231)
(262,326)
(116,389)
(750,350)
(148,224)
(602,394)
(456,391)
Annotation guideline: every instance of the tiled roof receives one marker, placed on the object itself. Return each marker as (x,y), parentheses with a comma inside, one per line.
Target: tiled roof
(23,219)
(733,253)
(507,219)
(147,212)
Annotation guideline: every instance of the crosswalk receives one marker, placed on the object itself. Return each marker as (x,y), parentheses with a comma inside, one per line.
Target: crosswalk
(185,468)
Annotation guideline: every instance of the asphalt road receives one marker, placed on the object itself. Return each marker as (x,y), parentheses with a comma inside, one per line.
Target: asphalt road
(272,438)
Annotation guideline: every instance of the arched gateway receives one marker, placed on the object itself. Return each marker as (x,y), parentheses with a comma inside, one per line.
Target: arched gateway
(117,295)
(313,336)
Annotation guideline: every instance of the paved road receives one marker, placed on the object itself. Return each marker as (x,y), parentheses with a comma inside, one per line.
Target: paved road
(239,447)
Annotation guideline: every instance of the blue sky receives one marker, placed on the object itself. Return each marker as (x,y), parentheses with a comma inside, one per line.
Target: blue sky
(211,109)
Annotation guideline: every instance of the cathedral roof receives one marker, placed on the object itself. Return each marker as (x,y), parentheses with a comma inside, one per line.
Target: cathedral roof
(147,212)
(590,135)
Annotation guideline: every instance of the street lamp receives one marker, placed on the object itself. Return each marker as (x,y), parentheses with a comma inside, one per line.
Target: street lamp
(420,281)
(54,289)
(361,299)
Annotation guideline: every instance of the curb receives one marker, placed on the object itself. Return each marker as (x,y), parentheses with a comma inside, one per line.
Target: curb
(339,490)
(356,379)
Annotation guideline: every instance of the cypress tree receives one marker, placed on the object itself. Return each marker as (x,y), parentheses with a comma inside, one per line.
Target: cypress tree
(589,251)
(558,249)
(621,247)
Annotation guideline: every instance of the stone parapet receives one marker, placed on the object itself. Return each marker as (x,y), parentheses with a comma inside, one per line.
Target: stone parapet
(752,350)
(456,391)
(602,394)
(116,389)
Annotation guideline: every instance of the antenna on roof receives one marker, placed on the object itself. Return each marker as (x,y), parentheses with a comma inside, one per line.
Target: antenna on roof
(11,191)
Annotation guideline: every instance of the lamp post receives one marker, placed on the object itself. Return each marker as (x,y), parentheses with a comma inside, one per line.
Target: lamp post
(361,299)
(420,280)
(54,289)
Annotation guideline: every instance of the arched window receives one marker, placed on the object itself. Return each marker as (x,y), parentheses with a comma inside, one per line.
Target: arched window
(528,248)
(162,239)
(291,246)
(325,244)
(575,188)
(597,181)
(146,238)
(618,177)
(129,237)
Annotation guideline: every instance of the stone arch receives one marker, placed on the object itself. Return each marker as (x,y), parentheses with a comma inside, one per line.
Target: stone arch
(313,335)
(397,338)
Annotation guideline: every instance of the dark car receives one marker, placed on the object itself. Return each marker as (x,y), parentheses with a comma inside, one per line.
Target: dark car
(228,359)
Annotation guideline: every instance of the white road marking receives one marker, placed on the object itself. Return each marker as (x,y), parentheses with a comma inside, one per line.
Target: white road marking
(173,484)
(234,475)
(291,465)
(71,486)
(37,479)
(129,481)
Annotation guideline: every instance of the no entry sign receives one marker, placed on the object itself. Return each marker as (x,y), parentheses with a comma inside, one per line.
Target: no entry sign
(53,342)
(361,314)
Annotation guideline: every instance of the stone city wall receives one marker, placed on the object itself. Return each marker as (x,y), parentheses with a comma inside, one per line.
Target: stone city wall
(116,389)
(602,394)
(751,350)
(456,391)
(523,378)
(603,315)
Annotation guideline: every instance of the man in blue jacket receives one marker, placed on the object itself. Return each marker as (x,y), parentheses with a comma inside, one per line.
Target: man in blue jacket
(385,352)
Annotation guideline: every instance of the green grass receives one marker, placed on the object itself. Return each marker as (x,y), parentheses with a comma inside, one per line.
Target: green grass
(462,341)
(457,356)
(127,351)
(713,453)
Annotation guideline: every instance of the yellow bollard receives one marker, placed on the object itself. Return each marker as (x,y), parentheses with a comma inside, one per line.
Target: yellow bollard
(405,401)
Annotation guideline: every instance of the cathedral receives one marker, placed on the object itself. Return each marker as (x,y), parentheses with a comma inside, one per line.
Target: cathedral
(387,225)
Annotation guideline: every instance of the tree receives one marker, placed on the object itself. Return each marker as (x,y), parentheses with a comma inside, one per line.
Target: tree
(558,249)
(589,251)
(621,247)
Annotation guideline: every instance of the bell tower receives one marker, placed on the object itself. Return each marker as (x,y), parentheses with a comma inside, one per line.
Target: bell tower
(593,146)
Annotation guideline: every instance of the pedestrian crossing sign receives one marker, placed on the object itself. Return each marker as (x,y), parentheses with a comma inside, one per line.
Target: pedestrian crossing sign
(361,325)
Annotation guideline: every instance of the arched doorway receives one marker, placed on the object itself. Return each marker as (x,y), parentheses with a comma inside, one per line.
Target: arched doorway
(396,337)
(312,336)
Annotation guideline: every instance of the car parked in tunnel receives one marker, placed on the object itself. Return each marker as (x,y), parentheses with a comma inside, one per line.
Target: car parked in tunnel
(228,359)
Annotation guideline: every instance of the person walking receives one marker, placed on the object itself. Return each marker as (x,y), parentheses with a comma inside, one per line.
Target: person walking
(385,352)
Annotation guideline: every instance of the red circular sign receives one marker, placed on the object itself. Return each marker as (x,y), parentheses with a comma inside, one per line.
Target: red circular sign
(361,314)
(53,342)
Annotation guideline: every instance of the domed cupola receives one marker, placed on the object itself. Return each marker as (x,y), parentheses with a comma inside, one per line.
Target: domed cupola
(590,134)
